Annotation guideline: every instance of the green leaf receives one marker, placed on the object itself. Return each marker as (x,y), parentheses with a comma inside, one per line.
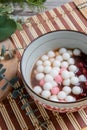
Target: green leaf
(5,86)
(19,26)
(31,112)
(24,96)
(15,94)
(2,71)
(7,27)
(25,105)
(5,9)
(1,65)
(1,77)
(13,80)
(4,1)
(3,50)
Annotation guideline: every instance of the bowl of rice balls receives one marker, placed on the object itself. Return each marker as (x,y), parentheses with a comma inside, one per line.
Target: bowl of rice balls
(54,68)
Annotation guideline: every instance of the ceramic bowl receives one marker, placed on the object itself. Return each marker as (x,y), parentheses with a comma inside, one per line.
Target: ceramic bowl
(51,41)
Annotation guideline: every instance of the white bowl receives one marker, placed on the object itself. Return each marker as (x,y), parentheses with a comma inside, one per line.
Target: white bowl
(41,45)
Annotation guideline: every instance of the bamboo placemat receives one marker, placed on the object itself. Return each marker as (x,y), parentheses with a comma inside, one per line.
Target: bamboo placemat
(82,6)
(11,115)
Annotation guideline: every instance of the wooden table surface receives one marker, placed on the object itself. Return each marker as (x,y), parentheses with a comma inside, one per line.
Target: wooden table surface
(50,4)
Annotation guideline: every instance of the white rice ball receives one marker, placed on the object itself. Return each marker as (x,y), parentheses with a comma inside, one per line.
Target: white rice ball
(39,62)
(70,98)
(37,89)
(82,78)
(65,74)
(47,86)
(56,68)
(62,50)
(46,94)
(40,68)
(39,76)
(56,63)
(54,73)
(70,52)
(72,74)
(51,60)
(44,57)
(64,64)
(54,83)
(73,68)
(76,90)
(67,89)
(47,69)
(54,98)
(66,82)
(74,80)
(59,58)
(48,77)
(76,52)
(66,56)
(51,54)
(71,61)
(62,95)
(47,62)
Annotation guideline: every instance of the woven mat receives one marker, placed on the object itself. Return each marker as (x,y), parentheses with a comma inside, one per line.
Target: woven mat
(82,6)
(11,116)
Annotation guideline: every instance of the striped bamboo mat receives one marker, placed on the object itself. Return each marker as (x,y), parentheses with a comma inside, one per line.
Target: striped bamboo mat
(82,6)
(11,115)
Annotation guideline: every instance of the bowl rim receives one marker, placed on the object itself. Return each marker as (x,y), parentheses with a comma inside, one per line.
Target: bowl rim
(75,102)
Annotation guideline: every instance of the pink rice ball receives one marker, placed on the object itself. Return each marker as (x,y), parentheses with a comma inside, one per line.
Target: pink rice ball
(55,90)
(58,79)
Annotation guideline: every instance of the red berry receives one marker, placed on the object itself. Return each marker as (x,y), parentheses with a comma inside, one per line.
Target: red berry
(80,64)
(83,94)
(78,73)
(84,71)
(86,83)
